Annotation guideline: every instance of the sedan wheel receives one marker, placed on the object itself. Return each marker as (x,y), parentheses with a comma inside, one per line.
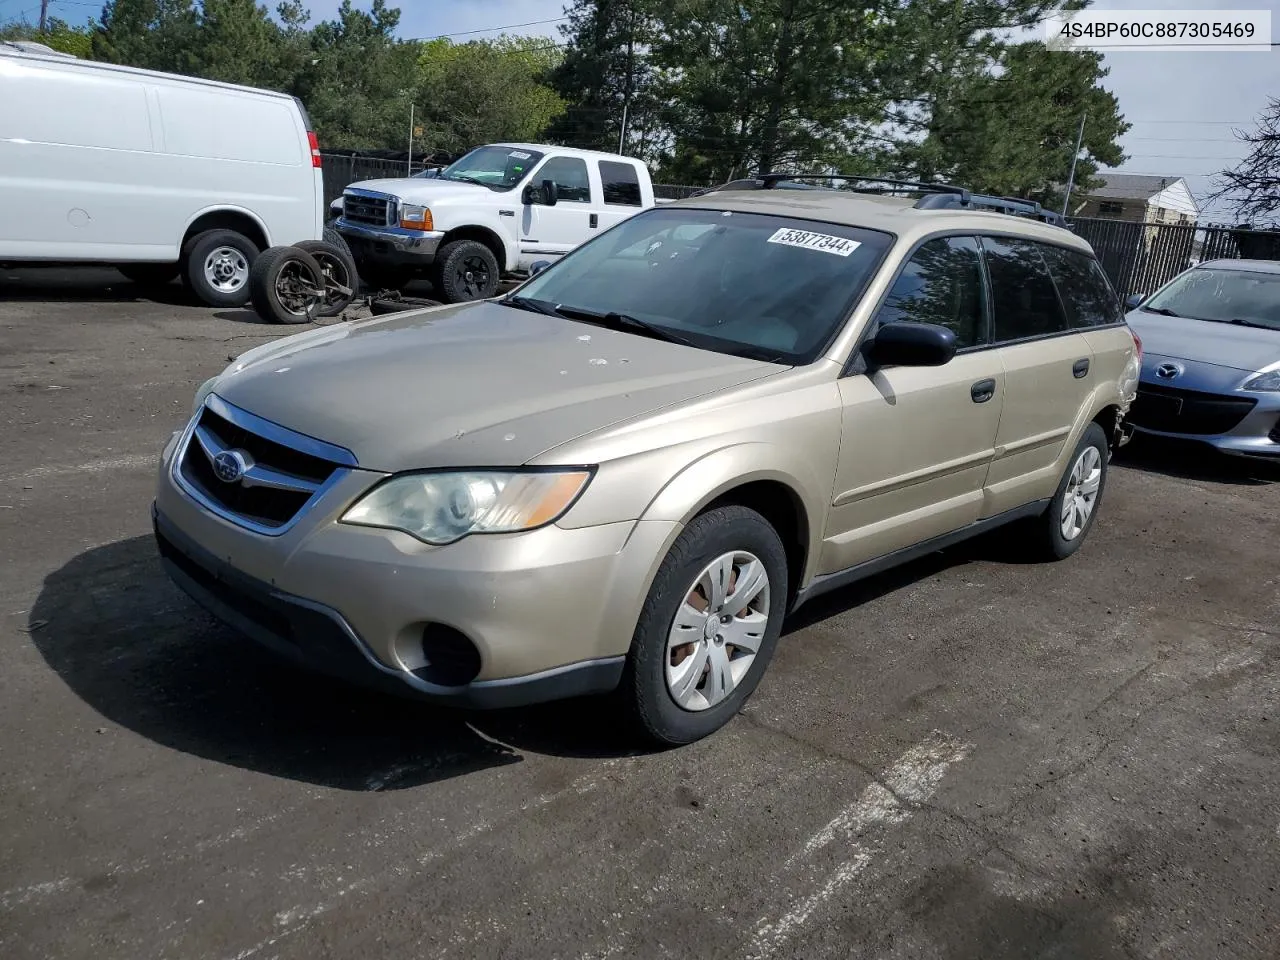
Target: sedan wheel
(1083,484)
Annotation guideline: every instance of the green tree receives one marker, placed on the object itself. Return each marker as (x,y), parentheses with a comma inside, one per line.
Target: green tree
(58,35)
(478,92)
(238,42)
(155,34)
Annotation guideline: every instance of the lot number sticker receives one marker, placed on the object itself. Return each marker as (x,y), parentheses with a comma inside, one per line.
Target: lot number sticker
(815,241)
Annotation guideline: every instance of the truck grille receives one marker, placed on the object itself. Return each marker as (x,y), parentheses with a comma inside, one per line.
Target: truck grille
(247,477)
(375,211)
(1169,410)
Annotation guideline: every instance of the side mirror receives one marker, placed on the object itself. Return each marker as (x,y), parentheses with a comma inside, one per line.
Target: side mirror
(550,193)
(908,344)
(1133,301)
(538,266)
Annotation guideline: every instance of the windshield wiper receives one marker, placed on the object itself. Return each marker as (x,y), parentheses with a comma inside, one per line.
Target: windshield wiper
(463,178)
(532,305)
(1164,311)
(623,321)
(1244,322)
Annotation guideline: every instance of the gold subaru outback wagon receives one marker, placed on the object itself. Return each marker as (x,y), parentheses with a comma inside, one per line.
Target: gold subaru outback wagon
(623,475)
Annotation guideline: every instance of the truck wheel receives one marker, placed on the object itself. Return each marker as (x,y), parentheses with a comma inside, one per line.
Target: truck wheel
(215,267)
(384,278)
(149,274)
(287,285)
(340,279)
(465,270)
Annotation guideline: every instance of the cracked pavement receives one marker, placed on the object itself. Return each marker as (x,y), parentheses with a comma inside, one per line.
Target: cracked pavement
(969,757)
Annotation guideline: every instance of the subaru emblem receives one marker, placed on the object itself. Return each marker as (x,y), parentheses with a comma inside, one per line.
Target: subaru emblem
(230,466)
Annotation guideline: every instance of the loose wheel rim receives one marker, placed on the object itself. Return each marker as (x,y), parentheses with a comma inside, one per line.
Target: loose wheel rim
(717,631)
(472,276)
(335,273)
(226,269)
(1083,485)
(294,288)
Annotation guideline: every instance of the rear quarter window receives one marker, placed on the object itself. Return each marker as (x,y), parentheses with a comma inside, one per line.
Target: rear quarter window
(621,183)
(226,125)
(1086,293)
(1024,301)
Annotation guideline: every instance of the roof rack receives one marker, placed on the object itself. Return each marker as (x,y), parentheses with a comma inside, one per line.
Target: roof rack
(934,196)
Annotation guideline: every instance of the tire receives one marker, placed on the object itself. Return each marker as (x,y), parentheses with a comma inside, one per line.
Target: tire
(381,306)
(275,285)
(648,690)
(331,235)
(149,274)
(216,266)
(339,270)
(465,270)
(377,278)
(1049,539)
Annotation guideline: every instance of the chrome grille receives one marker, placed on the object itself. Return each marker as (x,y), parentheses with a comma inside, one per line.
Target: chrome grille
(372,210)
(254,472)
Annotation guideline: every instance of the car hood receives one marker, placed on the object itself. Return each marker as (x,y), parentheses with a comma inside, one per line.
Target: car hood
(474,384)
(1221,344)
(424,190)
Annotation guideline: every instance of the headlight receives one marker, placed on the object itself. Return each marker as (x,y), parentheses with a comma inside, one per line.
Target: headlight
(414,217)
(439,508)
(206,388)
(1270,380)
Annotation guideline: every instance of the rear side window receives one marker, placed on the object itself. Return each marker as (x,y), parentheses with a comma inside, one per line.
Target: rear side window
(942,284)
(621,183)
(1086,294)
(1024,302)
(570,176)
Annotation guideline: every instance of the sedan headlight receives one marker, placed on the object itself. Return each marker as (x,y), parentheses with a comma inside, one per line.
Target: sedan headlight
(206,388)
(415,217)
(1268,380)
(439,508)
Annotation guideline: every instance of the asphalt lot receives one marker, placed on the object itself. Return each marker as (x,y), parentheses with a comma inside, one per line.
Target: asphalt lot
(967,758)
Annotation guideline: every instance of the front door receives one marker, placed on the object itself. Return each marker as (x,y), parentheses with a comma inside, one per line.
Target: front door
(547,233)
(916,442)
(1049,374)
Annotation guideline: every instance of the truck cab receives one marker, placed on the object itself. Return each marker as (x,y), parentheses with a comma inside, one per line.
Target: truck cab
(494,212)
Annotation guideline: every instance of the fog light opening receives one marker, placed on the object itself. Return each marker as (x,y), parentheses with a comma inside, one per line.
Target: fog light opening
(450,659)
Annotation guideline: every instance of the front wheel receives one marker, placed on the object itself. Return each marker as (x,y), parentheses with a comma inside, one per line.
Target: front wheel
(465,270)
(708,628)
(1061,529)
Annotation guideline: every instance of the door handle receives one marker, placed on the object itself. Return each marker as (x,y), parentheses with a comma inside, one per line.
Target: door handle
(595,221)
(1080,368)
(983,390)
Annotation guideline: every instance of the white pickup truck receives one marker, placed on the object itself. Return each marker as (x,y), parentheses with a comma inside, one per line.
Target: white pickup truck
(497,210)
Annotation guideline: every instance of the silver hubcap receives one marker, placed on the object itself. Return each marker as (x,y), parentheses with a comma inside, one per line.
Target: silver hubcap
(226,269)
(1081,493)
(717,631)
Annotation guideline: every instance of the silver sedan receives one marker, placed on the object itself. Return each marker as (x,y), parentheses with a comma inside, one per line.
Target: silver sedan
(1211,357)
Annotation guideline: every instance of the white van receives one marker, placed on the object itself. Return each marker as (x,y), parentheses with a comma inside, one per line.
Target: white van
(158,174)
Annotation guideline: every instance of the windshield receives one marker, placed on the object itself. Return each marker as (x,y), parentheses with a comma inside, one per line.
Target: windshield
(768,287)
(499,168)
(1222,294)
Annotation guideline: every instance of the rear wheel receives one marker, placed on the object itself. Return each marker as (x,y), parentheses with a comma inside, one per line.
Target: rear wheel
(708,628)
(216,265)
(1061,529)
(465,270)
(287,285)
(149,274)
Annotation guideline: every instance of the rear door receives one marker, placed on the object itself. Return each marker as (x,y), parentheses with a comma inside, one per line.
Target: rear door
(1094,309)
(620,191)
(916,442)
(554,231)
(1049,373)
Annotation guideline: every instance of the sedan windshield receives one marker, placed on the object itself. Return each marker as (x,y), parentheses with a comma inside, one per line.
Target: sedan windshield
(754,285)
(499,168)
(1223,295)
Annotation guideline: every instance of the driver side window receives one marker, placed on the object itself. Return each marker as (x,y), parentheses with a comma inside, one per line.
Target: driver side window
(570,176)
(942,284)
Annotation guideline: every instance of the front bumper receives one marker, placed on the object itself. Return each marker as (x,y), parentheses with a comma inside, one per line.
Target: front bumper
(397,246)
(550,612)
(1255,431)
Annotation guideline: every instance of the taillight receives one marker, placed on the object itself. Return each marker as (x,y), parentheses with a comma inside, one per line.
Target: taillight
(315,148)
(1137,341)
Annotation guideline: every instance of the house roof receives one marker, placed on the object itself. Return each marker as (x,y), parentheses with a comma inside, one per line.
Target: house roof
(1131,186)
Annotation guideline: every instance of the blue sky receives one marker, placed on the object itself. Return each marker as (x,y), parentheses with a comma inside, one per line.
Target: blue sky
(1183,106)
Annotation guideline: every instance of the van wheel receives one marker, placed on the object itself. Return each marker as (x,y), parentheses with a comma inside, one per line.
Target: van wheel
(340,280)
(149,274)
(465,270)
(708,628)
(215,267)
(1061,529)
(287,285)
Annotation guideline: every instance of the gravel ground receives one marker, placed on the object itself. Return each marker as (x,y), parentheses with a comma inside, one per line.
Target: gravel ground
(969,757)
